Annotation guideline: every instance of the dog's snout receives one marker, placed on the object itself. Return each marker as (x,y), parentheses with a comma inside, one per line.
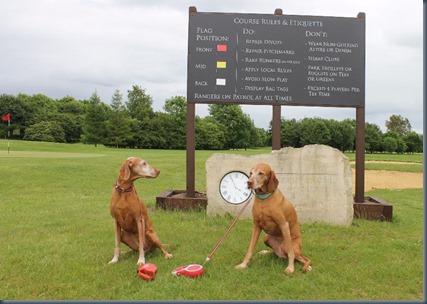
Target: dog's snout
(250,183)
(153,172)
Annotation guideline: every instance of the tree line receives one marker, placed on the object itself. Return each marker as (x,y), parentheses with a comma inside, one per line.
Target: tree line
(133,123)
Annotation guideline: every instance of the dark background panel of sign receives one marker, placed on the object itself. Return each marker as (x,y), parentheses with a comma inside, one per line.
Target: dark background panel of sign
(270,59)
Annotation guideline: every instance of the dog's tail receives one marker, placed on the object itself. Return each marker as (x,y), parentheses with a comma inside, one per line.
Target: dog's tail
(306,261)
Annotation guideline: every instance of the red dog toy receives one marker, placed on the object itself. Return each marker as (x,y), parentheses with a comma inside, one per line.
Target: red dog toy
(147,271)
(192,271)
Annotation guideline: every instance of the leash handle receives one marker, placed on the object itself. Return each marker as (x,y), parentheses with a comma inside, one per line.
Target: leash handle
(228,229)
(147,271)
(192,270)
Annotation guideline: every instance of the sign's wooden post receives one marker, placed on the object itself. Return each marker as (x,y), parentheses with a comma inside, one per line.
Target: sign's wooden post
(360,155)
(360,145)
(276,128)
(191,149)
(277,115)
(191,140)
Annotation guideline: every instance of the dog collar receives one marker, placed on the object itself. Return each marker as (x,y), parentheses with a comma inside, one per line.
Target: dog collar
(263,196)
(120,189)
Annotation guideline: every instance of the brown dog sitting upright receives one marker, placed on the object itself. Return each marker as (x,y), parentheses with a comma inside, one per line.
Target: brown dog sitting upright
(133,227)
(273,213)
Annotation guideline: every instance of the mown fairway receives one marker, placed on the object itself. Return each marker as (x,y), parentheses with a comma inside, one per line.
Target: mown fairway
(57,237)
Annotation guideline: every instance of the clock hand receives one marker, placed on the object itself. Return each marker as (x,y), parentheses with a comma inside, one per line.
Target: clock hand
(232,180)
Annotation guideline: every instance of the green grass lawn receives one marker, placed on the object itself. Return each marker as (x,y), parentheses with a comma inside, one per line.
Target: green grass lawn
(57,237)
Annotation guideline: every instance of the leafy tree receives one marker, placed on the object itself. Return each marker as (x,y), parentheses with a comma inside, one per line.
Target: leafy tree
(348,135)
(209,135)
(38,108)
(400,143)
(138,134)
(154,133)
(290,133)
(50,131)
(314,131)
(373,138)
(95,120)
(71,118)
(258,137)
(390,144)
(72,126)
(246,133)
(414,142)
(238,125)
(398,124)
(70,105)
(342,134)
(173,134)
(348,128)
(118,125)
(176,108)
(139,104)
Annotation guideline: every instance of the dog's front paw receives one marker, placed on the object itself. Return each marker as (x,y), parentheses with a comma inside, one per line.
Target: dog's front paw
(141,261)
(289,270)
(241,266)
(168,256)
(113,261)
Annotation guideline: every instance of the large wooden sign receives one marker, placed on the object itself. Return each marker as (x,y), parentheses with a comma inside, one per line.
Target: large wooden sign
(276,59)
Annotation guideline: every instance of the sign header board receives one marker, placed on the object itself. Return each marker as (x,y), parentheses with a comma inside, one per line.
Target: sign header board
(276,59)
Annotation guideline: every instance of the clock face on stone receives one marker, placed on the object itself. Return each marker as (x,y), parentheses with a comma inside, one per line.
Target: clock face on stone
(233,187)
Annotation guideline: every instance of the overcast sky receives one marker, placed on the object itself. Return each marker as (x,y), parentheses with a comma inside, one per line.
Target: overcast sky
(77,47)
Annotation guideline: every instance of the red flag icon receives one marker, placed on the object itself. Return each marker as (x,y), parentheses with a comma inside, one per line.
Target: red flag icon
(221,48)
(6,117)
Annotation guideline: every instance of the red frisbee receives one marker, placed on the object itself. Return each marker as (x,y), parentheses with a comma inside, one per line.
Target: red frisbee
(192,271)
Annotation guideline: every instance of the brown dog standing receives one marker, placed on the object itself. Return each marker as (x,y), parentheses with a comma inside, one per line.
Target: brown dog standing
(133,227)
(273,213)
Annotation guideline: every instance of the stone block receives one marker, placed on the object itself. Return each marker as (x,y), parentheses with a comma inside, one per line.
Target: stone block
(317,179)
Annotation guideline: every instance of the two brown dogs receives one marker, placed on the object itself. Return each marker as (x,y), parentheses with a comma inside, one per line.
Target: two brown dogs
(133,226)
(273,213)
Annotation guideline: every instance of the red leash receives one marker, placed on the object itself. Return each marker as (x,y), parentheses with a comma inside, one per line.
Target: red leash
(228,229)
(196,270)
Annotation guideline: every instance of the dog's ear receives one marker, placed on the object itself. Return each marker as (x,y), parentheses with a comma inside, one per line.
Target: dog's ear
(273,182)
(125,170)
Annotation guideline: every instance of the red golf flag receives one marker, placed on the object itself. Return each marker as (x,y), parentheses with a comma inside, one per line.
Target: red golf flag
(6,117)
